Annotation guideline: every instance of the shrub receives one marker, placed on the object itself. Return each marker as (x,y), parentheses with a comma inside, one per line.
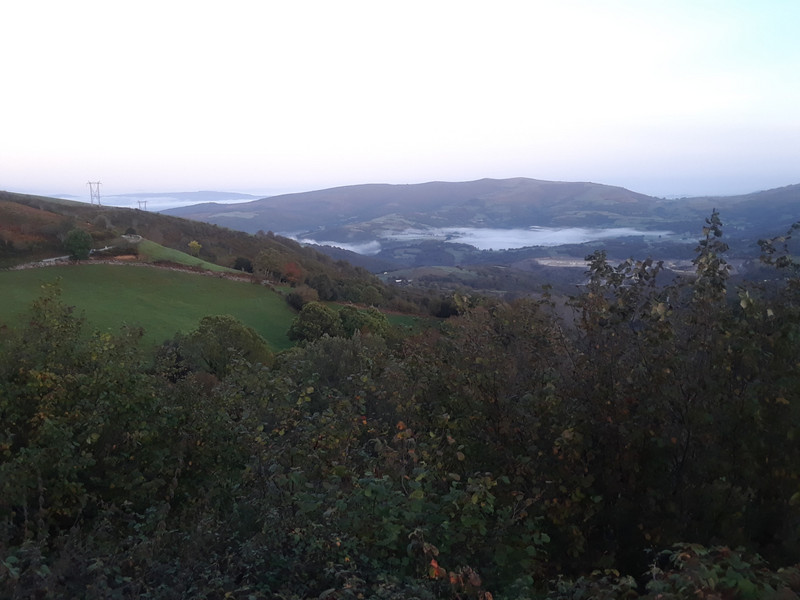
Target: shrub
(79,244)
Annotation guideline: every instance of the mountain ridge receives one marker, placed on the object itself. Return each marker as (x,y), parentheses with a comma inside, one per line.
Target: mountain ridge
(346,204)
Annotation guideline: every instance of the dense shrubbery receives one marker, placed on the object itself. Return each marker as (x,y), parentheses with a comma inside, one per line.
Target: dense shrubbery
(505,454)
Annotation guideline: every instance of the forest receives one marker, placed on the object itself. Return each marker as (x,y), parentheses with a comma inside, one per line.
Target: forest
(646,446)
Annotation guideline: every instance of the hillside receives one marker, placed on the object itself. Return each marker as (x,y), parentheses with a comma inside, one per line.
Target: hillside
(34,227)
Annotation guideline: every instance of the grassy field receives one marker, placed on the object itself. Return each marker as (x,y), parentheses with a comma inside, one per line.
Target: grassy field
(162,301)
(152,252)
(410,323)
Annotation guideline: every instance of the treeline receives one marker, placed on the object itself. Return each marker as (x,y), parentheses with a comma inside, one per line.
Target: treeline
(649,447)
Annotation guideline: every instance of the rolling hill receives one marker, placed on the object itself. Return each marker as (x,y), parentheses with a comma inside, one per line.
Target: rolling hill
(488,202)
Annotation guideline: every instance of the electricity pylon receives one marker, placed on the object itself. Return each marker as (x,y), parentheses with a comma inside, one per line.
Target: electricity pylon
(94,192)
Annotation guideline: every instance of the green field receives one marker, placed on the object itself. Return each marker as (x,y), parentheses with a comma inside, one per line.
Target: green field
(152,252)
(410,323)
(163,302)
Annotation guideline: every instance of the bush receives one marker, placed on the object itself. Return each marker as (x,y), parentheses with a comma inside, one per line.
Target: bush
(79,244)
(301,295)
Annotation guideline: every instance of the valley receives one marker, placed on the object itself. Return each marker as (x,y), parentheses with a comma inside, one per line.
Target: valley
(438,432)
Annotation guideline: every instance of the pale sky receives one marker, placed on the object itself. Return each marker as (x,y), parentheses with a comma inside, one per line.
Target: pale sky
(664,97)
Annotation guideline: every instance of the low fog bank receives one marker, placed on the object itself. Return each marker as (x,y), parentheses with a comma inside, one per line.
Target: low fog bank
(493,239)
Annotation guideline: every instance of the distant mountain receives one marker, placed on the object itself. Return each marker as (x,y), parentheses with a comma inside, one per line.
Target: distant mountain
(487,202)
(201,196)
(162,200)
(361,213)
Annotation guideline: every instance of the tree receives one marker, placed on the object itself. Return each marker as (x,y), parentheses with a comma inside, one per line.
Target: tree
(711,269)
(242,263)
(371,296)
(293,273)
(79,244)
(194,247)
(301,295)
(314,321)
(370,321)
(219,340)
(324,286)
(267,264)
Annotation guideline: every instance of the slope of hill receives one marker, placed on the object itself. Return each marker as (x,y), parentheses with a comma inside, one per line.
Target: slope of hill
(33,227)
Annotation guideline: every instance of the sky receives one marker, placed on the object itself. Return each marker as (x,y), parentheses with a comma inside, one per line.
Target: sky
(664,97)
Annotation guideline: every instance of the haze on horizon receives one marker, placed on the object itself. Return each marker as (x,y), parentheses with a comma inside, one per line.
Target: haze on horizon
(668,98)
